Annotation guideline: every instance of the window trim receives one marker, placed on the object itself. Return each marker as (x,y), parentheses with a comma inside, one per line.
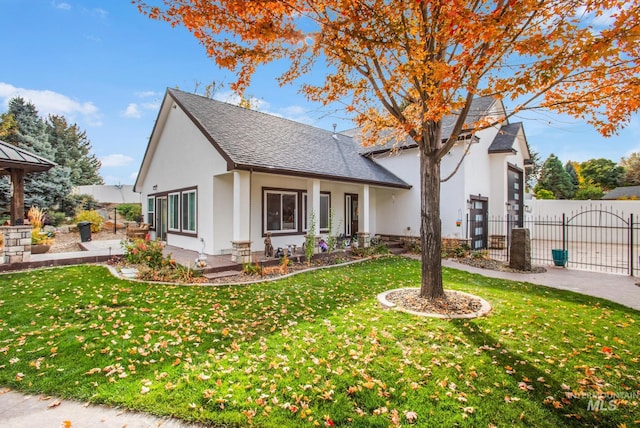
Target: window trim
(170,212)
(304,211)
(151,213)
(300,220)
(180,192)
(195,211)
(265,215)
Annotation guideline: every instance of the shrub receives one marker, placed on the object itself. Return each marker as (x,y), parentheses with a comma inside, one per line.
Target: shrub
(545,194)
(38,237)
(310,239)
(55,218)
(73,203)
(131,212)
(91,216)
(36,217)
(252,268)
(146,252)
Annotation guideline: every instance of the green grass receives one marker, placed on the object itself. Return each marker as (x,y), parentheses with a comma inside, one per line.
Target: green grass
(316,349)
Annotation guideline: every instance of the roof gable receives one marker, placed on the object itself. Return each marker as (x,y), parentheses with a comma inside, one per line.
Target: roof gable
(481,107)
(257,141)
(506,138)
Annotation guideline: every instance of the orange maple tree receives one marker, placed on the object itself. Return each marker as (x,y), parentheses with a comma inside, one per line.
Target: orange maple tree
(406,64)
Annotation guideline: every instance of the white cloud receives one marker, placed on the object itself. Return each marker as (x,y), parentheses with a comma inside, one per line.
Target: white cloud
(100,12)
(61,5)
(132,111)
(150,106)
(147,94)
(116,160)
(133,176)
(49,102)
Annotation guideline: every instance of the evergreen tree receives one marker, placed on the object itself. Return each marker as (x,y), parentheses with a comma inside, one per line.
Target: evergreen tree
(573,173)
(554,177)
(532,169)
(44,189)
(603,173)
(73,150)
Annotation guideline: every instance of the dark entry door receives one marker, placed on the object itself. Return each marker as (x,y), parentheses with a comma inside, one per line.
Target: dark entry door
(515,196)
(351,214)
(478,222)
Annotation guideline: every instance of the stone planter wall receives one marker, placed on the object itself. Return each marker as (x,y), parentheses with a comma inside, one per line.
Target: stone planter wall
(17,244)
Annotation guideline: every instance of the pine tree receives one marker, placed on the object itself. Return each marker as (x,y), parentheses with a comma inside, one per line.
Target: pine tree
(554,177)
(571,170)
(73,150)
(44,189)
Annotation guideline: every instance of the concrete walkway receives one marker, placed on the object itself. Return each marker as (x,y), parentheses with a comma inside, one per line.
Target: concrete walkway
(27,411)
(616,288)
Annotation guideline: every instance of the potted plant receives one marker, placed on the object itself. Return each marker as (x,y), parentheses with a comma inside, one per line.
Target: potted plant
(560,257)
(41,241)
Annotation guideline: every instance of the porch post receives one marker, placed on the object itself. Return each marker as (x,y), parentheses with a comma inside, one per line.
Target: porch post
(241,242)
(17,197)
(313,206)
(364,234)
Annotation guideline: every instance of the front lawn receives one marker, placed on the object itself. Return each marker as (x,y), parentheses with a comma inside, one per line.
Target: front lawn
(316,349)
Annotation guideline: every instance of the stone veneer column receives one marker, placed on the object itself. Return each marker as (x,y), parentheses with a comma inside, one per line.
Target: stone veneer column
(17,244)
(364,239)
(241,252)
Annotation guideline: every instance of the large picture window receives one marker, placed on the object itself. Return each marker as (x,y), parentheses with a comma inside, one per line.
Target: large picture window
(151,211)
(189,211)
(174,211)
(281,211)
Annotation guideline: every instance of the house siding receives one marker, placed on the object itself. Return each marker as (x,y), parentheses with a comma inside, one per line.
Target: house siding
(184,158)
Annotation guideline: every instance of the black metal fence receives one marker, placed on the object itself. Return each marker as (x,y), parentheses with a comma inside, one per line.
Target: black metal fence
(601,240)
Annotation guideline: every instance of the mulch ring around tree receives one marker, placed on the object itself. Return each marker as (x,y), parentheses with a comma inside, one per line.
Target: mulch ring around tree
(455,304)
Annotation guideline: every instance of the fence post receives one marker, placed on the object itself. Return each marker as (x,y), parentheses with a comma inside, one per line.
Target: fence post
(631,244)
(564,232)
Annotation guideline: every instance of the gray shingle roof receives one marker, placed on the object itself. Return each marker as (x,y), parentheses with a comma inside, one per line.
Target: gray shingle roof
(506,138)
(15,157)
(249,139)
(623,192)
(479,108)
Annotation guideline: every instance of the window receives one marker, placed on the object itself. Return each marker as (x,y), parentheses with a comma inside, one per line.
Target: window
(174,211)
(325,207)
(281,211)
(151,211)
(189,211)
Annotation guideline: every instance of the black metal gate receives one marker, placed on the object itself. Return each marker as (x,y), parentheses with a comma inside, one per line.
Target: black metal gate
(593,239)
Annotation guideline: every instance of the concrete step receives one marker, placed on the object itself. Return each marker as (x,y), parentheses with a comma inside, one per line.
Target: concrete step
(222,274)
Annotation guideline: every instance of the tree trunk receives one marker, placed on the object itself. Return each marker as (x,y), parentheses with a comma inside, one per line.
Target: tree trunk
(430,226)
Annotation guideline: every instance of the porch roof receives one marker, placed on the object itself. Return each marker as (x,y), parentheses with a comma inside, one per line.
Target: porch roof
(252,140)
(12,157)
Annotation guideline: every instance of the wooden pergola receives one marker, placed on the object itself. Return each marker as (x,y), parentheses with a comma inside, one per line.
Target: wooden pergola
(16,162)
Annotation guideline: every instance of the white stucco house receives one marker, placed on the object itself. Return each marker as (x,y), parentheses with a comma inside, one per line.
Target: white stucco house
(218,177)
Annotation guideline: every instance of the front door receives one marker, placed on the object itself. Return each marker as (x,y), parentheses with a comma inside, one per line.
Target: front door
(351,214)
(162,212)
(478,222)
(515,196)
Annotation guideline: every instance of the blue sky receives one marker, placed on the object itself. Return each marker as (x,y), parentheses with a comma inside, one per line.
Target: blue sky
(105,66)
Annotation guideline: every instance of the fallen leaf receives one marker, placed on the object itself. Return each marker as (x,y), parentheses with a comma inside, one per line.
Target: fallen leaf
(54,404)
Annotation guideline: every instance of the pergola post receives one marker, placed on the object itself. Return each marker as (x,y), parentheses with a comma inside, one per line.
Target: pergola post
(17,197)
